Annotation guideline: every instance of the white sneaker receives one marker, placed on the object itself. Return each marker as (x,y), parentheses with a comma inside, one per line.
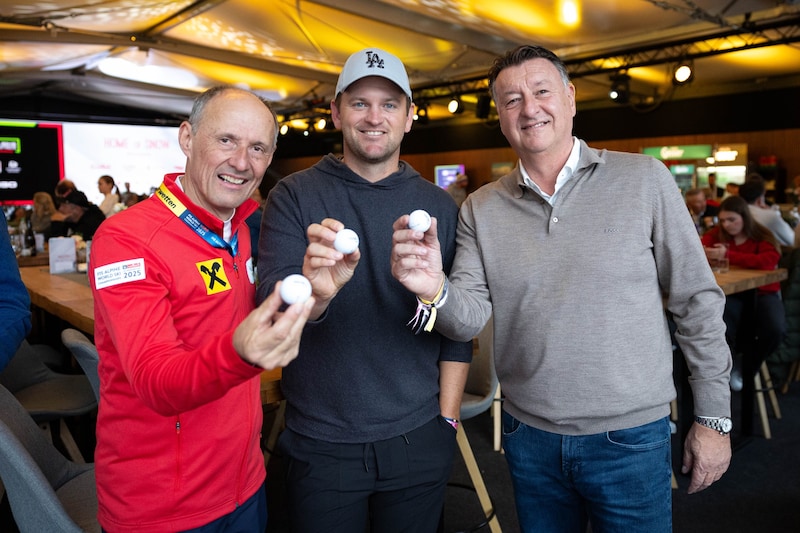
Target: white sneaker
(736,380)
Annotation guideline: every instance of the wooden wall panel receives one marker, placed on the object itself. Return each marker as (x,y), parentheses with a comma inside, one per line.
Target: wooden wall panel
(783,143)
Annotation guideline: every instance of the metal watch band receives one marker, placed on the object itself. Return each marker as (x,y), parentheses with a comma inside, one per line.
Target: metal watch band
(722,424)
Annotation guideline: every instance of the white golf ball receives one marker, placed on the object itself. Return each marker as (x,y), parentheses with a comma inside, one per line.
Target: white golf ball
(346,241)
(295,288)
(419,220)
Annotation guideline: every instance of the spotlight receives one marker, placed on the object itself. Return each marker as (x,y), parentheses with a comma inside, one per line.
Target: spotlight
(321,123)
(421,115)
(483,106)
(620,88)
(456,106)
(284,129)
(683,74)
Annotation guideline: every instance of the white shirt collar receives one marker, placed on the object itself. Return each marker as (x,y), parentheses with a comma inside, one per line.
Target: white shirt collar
(563,176)
(226,224)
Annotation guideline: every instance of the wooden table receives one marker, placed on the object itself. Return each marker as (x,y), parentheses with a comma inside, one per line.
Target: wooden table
(744,279)
(40,259)
(69,297)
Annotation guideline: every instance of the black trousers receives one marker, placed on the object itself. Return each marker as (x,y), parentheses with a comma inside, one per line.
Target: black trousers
(390,486)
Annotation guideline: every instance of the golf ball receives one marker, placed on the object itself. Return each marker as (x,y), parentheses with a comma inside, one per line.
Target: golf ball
(295,288)
(419,220)
(346,241)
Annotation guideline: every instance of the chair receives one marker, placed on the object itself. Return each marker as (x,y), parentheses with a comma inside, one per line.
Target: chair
(479,395)
(784,362)
(46,491)
(85,352)
(794,375)
(48,396)
(761,402)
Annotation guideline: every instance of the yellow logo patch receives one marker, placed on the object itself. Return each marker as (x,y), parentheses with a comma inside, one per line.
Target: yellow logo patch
(213,274)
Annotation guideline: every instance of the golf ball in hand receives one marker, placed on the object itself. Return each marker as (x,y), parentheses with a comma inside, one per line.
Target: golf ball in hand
(295,288)
(419,220)
(346,241)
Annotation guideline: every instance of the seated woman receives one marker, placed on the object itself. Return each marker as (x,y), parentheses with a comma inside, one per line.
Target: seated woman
(748,244)
(43,209)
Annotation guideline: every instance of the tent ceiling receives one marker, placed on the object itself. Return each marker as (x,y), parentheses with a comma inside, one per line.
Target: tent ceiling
(292,50)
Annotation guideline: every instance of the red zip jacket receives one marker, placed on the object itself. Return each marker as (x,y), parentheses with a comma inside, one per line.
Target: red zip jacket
(179,422)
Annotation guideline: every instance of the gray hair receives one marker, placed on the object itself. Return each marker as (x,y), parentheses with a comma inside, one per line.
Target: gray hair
(199,106)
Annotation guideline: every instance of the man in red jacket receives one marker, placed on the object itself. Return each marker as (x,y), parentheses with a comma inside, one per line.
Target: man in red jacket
(181,345)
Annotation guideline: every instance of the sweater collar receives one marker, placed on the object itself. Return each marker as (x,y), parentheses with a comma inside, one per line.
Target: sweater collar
(334,166)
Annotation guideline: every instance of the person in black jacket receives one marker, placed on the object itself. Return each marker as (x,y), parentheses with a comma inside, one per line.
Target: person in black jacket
(76,216)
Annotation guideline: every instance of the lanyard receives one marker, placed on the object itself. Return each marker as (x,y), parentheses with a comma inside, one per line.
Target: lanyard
(183,213)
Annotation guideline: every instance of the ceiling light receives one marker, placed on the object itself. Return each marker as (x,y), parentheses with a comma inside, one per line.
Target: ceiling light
(569,13)
(683,74)
(321,123)
(284,129)
(138,65)
(455,106)
(620,88)
(421,116)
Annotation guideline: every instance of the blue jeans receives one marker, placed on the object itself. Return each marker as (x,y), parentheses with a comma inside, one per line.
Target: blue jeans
(617,481)
(250,517)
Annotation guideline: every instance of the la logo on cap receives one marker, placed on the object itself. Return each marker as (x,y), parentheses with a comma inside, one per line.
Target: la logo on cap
(374,60)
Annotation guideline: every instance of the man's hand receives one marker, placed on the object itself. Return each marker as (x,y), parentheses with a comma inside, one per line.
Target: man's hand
(417,258)
(268,338)
(326,268)
(707,454)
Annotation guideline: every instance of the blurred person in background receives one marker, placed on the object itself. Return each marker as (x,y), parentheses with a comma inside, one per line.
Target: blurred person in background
(754,191)
(106,185)
(715,193)
(76,215)
(458,189)
(63,188)
(17,216)
(43,210)
(748,244)
(703,214)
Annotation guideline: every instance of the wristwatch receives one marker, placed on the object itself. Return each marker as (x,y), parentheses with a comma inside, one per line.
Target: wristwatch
(723,424)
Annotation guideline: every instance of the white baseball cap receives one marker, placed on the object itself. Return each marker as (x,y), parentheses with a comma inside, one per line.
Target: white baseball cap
(373,62)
